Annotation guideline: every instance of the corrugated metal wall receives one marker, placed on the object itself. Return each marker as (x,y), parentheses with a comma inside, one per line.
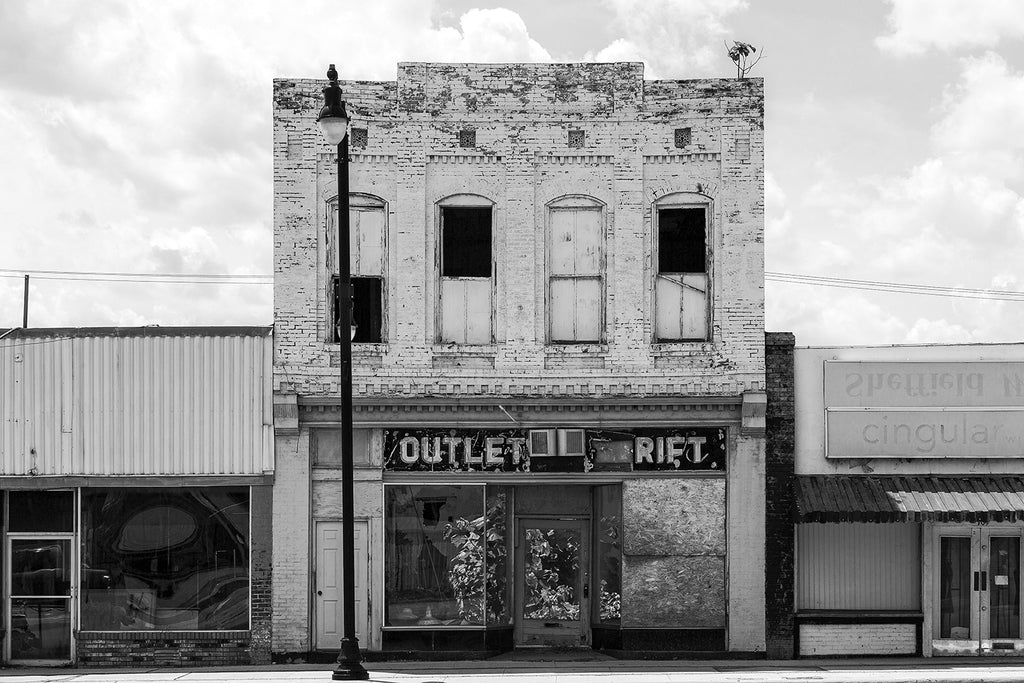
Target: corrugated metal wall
(858,566)
(136,405)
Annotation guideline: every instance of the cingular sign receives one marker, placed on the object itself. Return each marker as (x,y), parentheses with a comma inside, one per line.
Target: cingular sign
(970,409)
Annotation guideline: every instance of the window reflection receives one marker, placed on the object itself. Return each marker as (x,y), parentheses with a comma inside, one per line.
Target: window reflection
(445,558)
(609,552)
(165,559)
(40,567)
(40,629)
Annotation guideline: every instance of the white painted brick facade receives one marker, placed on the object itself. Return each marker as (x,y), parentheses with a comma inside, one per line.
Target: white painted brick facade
(522,114)
(818,640)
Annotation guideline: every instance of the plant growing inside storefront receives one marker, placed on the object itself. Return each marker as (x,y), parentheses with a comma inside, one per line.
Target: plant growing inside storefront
(476,573)
(610,558)
(552,564)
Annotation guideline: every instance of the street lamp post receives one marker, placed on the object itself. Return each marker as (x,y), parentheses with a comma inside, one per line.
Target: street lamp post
(333,121)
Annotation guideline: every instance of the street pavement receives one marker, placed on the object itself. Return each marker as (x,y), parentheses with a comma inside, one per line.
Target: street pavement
(590,671)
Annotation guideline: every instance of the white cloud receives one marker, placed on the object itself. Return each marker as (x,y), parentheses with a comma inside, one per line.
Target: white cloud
(955,218)
(918,25)
(824,317)
(939,332)
(778,217)
(488,35)
(142,134)
(674,39)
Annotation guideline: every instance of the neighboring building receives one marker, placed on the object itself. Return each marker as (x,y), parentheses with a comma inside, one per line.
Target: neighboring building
(559,362)
(910,499)
(135,484)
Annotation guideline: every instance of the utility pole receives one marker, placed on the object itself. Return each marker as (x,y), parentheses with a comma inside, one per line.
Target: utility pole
(24,317)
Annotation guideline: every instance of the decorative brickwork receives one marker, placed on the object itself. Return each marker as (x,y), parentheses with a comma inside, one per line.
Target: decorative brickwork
(517,114)
(779,541)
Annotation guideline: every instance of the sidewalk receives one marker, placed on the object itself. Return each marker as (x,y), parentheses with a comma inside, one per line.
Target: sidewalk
(592,671)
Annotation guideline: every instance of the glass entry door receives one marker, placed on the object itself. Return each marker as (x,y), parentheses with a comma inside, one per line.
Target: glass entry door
(40,589)
(552,582)
(977,608)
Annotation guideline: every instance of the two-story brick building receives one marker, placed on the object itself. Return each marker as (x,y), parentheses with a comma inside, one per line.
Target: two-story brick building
(558,361)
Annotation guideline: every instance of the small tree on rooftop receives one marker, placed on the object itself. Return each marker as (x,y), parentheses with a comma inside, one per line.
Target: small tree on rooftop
(742,55)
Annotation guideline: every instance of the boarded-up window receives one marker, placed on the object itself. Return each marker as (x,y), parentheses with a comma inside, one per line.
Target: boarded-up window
(466,267)
(681,284)
(575,299)
(367,245)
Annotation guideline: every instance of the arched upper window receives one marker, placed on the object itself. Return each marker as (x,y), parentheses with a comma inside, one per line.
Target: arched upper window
(368,264)
(682,258)
(575,264)
(466,264)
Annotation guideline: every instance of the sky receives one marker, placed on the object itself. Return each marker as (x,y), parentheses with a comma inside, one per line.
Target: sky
(135,137)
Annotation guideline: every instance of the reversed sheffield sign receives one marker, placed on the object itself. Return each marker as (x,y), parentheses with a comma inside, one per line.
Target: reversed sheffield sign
(969,409)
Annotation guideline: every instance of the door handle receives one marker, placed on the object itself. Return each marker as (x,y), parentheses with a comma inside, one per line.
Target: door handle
(984,581)
(975,580)
(586,590)
(319,592)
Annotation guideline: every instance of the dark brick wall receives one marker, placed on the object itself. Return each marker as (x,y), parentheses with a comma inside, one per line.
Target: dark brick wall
(100,648)
(779,532)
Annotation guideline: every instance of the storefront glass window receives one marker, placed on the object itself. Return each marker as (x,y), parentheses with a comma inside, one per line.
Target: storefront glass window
(1004,591)
(41,511)
(955,587)
(609,552)
(445,556)
(497,555)
(165,559)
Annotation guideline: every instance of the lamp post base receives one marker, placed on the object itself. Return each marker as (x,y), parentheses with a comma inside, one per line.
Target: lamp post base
(350,668)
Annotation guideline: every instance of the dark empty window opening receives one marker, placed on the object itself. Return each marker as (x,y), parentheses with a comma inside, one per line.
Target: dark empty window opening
(681,241)
(359,136)
(466,241)
(367,309)
(682,137)
(577,138)
(467,138)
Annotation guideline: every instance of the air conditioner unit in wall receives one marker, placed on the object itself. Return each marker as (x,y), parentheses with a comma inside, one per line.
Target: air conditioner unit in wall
(572,442)
(542,443)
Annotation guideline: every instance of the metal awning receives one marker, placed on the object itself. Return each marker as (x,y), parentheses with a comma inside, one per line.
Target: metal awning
(909,499)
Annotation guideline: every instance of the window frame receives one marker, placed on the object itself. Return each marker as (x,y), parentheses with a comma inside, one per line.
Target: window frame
(364,202)
(683,200)
(469,201)
(567,204)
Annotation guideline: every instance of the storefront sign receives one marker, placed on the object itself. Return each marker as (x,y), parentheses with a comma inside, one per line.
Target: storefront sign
(920,385)
(924,410)
(517,450)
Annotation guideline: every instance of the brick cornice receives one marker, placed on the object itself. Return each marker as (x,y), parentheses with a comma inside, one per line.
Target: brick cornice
(579,412)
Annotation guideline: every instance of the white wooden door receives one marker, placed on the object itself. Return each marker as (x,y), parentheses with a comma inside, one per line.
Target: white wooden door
(329,603)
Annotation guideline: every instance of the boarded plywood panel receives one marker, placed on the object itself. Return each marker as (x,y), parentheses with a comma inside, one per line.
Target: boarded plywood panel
(466,310)
(366,236)
(681,301)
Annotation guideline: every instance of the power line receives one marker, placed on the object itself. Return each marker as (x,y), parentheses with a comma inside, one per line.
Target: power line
(218,276)
(773,276)
(896,287)
(171,278)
